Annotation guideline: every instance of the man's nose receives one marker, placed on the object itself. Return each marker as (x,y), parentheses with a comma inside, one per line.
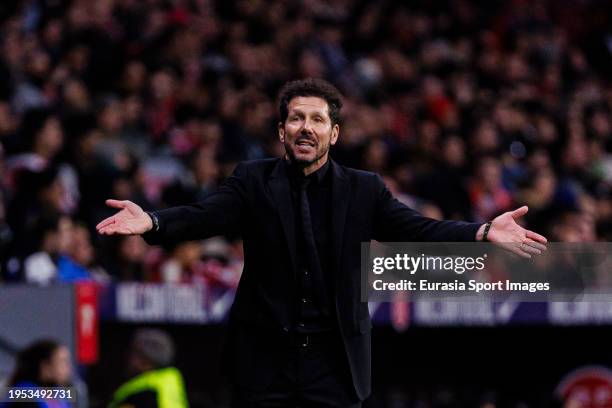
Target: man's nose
(307,127)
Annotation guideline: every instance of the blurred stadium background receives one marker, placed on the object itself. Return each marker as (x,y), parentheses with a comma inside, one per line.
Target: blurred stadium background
(467,108)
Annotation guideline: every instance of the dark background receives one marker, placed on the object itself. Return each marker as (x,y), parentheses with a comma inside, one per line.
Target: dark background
(447,367)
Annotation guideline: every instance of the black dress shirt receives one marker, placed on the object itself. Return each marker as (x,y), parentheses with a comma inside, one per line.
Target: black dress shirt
(314,309)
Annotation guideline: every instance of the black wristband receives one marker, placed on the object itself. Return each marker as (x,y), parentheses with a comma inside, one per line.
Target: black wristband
(155,221)
(486,231)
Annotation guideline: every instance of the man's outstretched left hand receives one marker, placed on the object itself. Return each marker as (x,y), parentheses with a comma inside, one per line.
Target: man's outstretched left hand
(505,232)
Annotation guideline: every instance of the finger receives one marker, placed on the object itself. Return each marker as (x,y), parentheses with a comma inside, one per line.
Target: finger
(530,249)
(105,231)
(117,203)
(535,244)
(536,237)
(519,212)
(105,222)
(114,229)
(513,247)
(521,253)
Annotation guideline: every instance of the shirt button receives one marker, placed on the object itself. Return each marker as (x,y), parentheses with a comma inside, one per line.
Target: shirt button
(301,324)
(305,272)
(304,300)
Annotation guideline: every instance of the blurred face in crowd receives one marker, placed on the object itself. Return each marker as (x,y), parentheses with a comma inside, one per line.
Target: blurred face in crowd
(39,64)
(138,364)
(64,234)
(52,196)
(76,95)
(205,168)
(376,155)
(132,109)
(308,132)
(134,76)
(132,249)
(545,183)
(188,253)
(454,152)
(50,138)
(489,173)
(57,369)
(81,250)
(111,117)
(162,85)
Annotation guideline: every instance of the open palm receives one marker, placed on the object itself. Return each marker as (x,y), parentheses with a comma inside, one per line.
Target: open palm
(131,220)
(506,233)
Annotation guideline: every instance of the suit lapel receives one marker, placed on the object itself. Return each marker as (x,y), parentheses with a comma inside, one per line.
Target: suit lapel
(281,192)
(340,201)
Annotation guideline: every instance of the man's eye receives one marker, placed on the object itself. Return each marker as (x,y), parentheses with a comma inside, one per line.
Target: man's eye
(318,119)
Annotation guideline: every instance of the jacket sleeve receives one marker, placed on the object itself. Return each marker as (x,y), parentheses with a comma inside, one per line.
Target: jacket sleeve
(395,222)
(142,399)
(219,213)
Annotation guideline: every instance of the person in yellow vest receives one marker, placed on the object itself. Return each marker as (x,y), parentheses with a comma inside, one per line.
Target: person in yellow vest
(155,384)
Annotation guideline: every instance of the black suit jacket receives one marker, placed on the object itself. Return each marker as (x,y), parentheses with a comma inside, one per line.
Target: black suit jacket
(256,203)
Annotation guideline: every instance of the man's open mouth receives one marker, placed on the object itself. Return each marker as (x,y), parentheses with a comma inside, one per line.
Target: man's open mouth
(305,143)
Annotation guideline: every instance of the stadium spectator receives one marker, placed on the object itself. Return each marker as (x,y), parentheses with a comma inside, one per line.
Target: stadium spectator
(124,259)
(52,236)
(44,363)
(79,262)
(184,264)
(154,382)
(125,99)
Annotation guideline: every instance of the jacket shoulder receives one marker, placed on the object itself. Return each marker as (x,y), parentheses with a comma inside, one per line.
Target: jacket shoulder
(361,176)
(255,169)
(260,165)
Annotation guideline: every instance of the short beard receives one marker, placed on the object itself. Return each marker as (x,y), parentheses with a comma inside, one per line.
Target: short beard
(304,163)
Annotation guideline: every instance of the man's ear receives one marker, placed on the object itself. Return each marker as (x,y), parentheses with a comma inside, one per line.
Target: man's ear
(334,135)
(281,132)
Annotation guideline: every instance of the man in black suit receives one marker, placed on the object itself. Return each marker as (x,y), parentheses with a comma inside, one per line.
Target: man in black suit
(298,333)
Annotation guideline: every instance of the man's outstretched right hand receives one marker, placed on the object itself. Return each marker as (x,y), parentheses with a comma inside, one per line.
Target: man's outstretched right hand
(131,220)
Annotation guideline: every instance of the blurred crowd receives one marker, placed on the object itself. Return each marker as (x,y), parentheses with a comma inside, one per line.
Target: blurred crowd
(467,109)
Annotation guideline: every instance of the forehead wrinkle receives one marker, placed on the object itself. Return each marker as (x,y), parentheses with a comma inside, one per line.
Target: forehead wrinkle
(317,109)
(308,102)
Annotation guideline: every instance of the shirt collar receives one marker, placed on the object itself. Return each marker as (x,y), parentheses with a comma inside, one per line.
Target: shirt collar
(296,174)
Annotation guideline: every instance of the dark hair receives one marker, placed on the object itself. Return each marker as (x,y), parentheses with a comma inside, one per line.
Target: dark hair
(43,225)
(33,122)
(310,87)
(30,359)
(154,345)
